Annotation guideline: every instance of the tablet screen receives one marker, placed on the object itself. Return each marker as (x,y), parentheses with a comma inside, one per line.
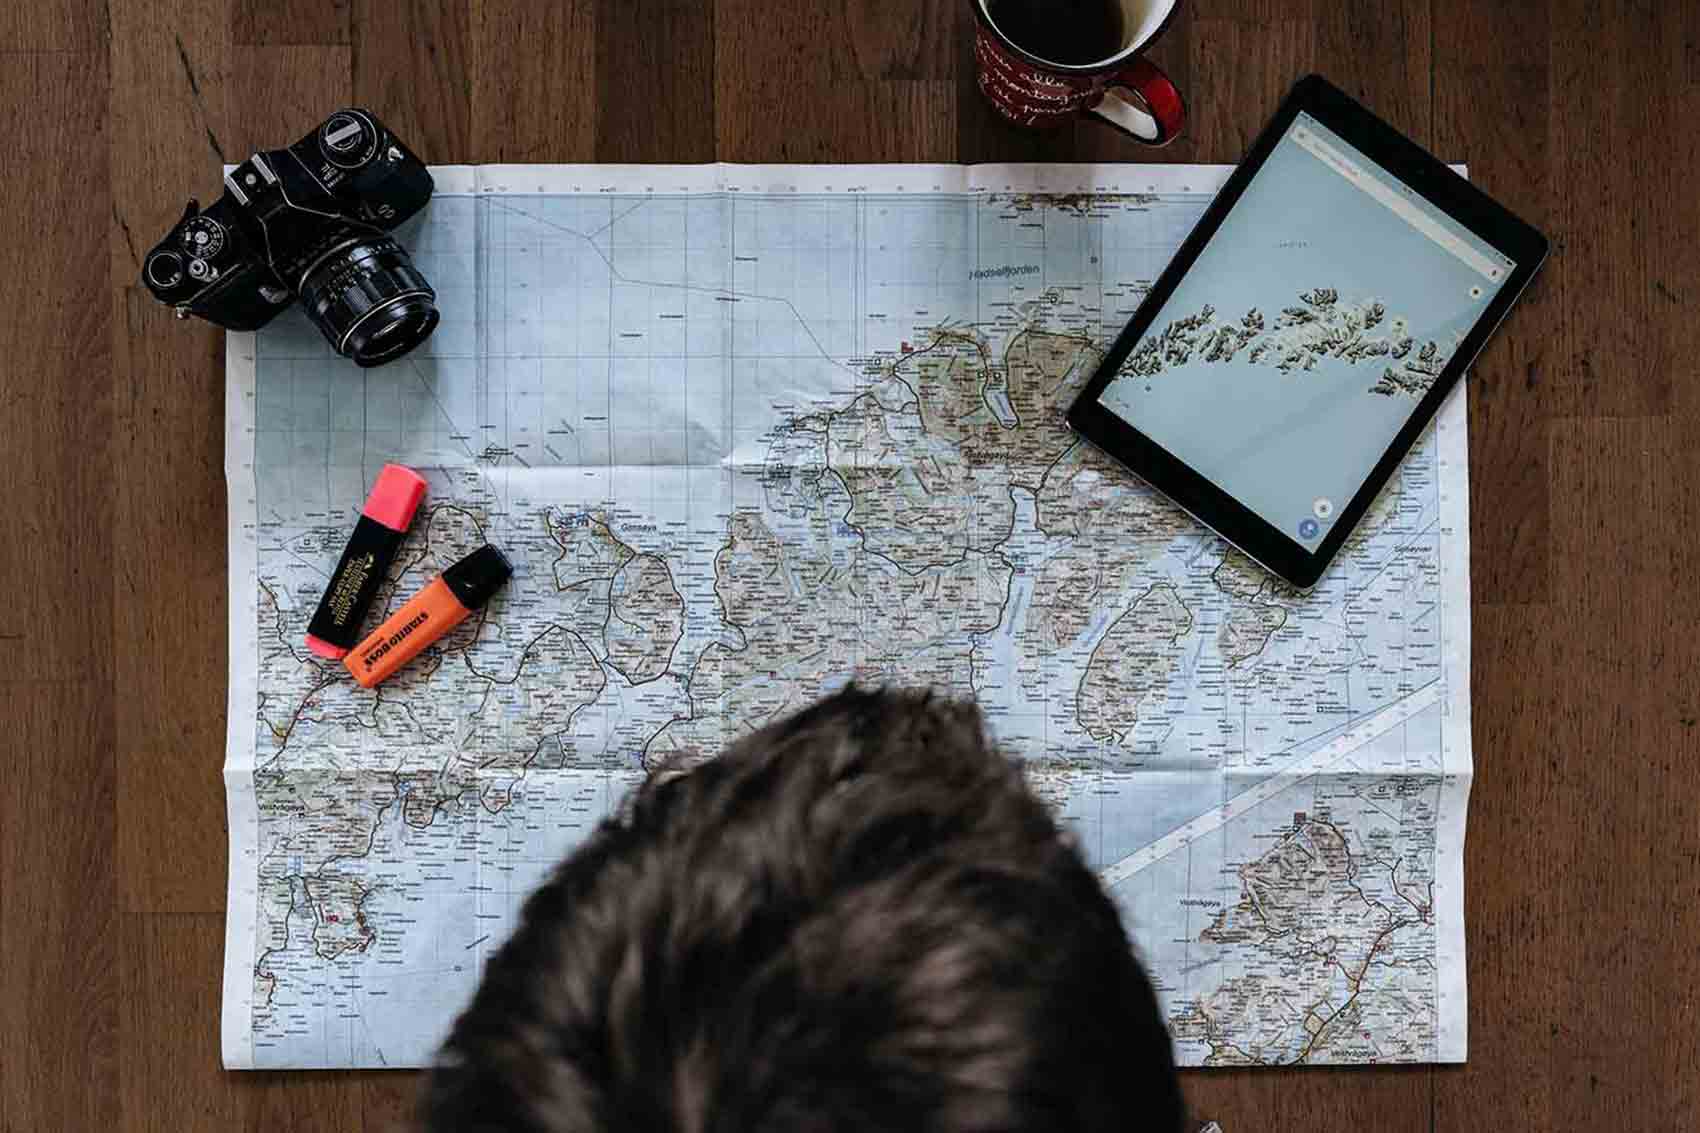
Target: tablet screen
(1307,332)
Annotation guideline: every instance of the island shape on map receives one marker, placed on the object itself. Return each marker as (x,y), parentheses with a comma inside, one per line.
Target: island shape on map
(1317,328)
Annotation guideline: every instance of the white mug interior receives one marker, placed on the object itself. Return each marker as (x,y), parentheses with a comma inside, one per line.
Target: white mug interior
(1141,21)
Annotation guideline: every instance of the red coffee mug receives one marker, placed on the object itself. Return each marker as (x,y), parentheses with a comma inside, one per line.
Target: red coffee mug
(1126,89)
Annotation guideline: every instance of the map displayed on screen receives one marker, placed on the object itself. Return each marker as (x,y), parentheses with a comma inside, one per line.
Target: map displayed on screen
(1305,334)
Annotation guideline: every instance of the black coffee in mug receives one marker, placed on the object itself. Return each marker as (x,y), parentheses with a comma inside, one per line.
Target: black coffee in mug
(1071,32)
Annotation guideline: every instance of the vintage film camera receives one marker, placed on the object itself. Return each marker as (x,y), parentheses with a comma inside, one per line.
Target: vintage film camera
(309,222)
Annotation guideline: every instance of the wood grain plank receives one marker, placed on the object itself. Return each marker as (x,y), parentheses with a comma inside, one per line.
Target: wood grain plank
(62,25)
(1690,40)
(1380,52)
(278,93)
(905,40)
(1268,55)
(1671,795)
(824,44)
(1206,61)
(289,1103)
(294,22)
(1385,1100)
(170,74)
(58,987)
(533,91)
(1507,153)
(654,81)
(170,1067)
(1579,713)
(1612,738)
(1672,232)
(896,120)
(1604,266)
(170,602)
(1255,11)
(1493,36)
(412,68)
(1521,796)
(389,1101)
(788,87)
(55,412)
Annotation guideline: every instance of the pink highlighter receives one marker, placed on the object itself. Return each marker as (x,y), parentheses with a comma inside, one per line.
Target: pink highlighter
(365,561)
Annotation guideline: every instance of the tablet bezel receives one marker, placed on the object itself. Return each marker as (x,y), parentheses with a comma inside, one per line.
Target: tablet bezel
(1425,175)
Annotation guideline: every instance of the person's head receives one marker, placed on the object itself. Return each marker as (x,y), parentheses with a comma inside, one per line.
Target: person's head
(858,918)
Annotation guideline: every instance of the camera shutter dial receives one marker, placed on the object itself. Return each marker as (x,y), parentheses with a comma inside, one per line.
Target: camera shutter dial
(203,237)
(348,139)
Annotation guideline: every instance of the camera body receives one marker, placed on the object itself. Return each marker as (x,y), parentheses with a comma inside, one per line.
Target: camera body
(309,222)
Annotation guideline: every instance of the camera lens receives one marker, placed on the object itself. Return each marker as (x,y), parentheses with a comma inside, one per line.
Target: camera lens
(369,300)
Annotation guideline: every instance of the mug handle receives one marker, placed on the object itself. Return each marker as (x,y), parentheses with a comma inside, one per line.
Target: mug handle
(1140,99)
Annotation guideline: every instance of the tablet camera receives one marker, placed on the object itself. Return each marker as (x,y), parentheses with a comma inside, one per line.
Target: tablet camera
(1323,508)
(1309,529)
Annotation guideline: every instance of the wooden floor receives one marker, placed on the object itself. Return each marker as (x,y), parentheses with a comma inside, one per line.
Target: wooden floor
(1584,846)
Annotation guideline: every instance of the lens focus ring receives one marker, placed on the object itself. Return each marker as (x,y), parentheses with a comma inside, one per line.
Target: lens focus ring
(369,300)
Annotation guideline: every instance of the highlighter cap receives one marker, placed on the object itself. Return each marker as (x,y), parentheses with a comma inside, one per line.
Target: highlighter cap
(478,576)
(395,497)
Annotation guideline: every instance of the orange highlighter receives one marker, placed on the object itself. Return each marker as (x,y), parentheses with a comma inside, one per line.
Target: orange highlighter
(428,615)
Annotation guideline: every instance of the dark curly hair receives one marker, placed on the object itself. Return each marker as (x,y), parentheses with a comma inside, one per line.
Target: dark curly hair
(858,918)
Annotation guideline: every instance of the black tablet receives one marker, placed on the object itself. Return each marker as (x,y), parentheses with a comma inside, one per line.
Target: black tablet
(1307,331)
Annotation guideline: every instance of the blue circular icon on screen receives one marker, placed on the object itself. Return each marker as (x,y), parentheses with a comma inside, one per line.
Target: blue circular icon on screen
(1308,528)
